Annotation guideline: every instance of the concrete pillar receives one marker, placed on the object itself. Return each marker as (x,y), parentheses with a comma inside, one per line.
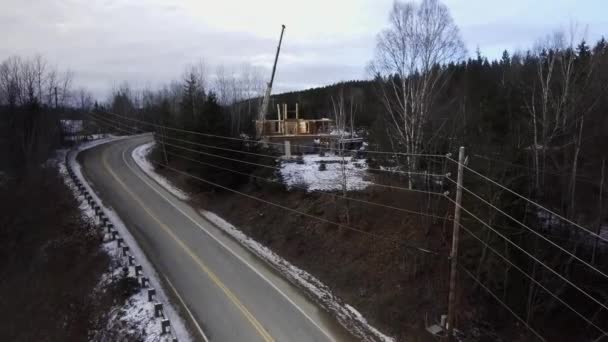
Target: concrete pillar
(284,119)
(278,112)
(287,149)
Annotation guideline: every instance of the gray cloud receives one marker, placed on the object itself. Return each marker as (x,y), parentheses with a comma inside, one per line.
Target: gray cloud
(149,42)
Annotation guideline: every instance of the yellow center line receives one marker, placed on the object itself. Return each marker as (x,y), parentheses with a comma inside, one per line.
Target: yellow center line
(257,325)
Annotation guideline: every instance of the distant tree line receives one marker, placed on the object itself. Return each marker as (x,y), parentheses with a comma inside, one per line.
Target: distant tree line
(33,97)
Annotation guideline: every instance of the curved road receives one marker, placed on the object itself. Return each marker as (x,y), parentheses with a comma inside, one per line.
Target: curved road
(225,292)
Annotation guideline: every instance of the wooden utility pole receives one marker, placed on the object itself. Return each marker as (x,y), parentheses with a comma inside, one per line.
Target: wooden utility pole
(454,253)
(56,101)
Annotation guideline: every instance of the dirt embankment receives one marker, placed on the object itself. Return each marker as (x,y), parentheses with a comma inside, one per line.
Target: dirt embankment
(394,286)
(52,264)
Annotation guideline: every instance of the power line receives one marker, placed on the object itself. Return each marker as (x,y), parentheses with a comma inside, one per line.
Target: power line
(304,188)
(382,237)
(532,230)
(295,211)
(276,168)
(501,302)
(279,169)
(530,255)
(271,143)
(523,167)
(393,187)
(530,201)
(114,124)
(532,279)
(218,156)
(421,249)
(216,147)
(426,174)
(408,173)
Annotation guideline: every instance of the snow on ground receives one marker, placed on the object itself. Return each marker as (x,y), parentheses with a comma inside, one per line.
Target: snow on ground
(73,126)
(88,137)
(347,315)
(342,133)
(140,154)
(308,175)
(588,238)
(547,219)
(136,312)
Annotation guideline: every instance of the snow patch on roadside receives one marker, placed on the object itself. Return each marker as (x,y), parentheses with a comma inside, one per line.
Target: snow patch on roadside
(347,315)
(84,138)
(136,314)
(140,155)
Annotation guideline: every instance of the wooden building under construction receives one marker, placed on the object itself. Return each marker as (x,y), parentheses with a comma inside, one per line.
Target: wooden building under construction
(297,134)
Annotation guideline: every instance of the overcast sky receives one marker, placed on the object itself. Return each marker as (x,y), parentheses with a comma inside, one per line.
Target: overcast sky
(149,42)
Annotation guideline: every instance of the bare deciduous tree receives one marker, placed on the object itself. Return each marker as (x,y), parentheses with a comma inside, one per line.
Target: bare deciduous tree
(239,91)
(340,118)
(23,88)
(27,81)
(84,100)
(558,101)
(409,65)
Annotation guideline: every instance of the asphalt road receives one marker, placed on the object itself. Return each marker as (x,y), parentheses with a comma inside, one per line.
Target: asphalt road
(224,292)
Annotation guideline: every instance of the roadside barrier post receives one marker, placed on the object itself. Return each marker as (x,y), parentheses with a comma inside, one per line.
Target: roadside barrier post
(158,310)
(151,294)
(165,326)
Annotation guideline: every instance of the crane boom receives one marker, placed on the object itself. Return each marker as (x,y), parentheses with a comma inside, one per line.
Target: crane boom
(264,108)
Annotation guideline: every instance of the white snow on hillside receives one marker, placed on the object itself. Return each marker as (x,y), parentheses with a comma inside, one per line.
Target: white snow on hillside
(308,175)
(140,155)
